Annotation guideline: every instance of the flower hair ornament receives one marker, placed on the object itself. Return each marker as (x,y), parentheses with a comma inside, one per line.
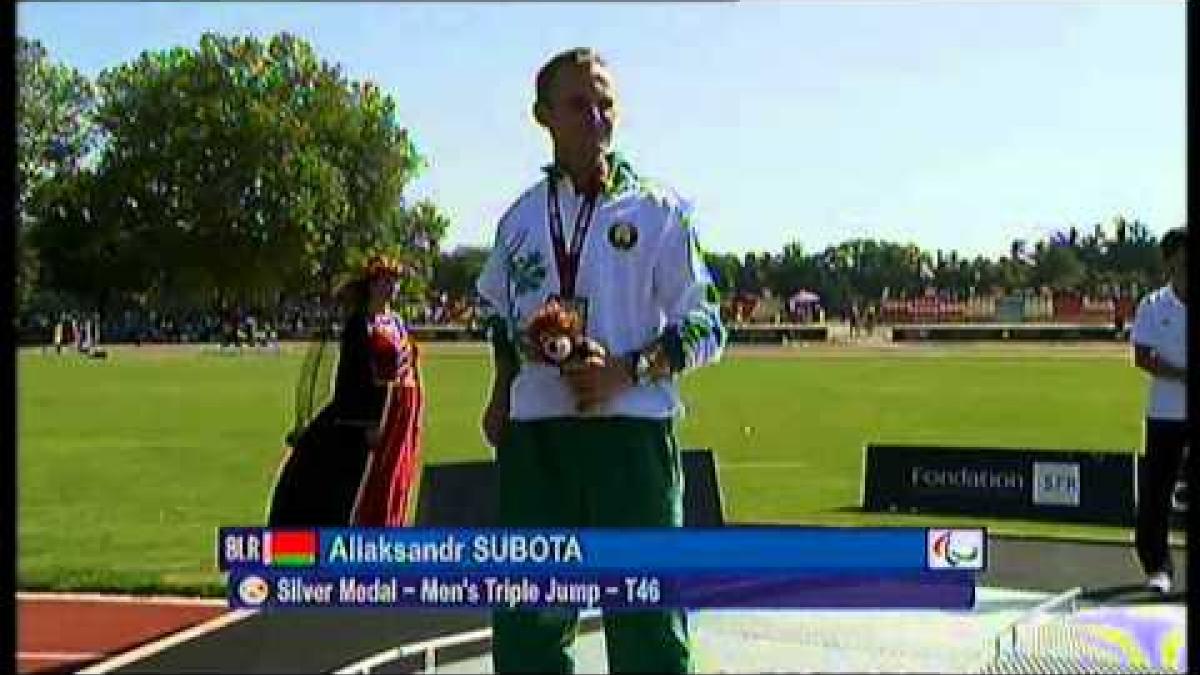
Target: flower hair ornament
(380,266)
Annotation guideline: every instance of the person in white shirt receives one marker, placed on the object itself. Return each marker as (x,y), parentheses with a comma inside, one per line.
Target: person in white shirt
(1159,339)
(592,444)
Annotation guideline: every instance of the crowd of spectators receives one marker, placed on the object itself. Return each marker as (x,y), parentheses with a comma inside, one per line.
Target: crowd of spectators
(235,327)
(303,320)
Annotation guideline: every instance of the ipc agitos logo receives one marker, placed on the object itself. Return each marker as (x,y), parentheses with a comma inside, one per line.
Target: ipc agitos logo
(954,549)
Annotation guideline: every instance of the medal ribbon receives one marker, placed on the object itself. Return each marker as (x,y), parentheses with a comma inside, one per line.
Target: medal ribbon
(567,259)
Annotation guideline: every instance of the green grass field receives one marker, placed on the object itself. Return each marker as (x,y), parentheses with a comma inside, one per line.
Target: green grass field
(128,465)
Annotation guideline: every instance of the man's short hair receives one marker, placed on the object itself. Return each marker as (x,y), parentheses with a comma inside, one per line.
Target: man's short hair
(580,56)
(1174,241)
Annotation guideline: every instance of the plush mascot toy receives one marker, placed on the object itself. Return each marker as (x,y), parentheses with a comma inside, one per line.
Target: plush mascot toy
(555,337)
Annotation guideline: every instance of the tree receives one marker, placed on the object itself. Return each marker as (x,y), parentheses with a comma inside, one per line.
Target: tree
(1058,267)
(792,271)
(456,271)
(247,169)
(82,249)
(419,236)
(1133,257)
(726,270)
(54,135)
(752,277)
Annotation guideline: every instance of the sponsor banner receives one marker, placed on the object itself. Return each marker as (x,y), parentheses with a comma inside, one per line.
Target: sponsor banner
(752,334)
(999,333)
(1087,487)
(1010,309)
(765,334)
(1056,483)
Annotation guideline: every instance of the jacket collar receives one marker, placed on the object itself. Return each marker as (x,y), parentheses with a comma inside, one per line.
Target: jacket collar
(621,176)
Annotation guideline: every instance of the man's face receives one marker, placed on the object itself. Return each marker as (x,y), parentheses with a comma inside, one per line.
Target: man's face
(580,112)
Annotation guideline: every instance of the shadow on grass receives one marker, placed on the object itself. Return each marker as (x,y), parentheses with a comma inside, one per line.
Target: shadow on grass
(1129,594)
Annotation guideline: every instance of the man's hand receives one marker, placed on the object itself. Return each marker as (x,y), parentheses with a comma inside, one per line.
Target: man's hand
(495,417)
(596,380)
(1148,359)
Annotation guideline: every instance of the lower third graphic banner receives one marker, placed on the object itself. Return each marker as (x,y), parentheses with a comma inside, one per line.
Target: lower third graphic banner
(608,591)
(744,567)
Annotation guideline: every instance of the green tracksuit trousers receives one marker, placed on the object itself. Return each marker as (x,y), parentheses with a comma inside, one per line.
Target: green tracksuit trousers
(593,472)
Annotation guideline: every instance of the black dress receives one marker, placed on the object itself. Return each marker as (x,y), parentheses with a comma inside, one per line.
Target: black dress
(320,479)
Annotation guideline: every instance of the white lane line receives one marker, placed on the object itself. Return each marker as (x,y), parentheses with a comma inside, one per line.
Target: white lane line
(423,647)
(429,648)
(36,596)
(168,642)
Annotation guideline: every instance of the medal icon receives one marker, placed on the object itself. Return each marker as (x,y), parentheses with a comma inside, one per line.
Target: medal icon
(623,236)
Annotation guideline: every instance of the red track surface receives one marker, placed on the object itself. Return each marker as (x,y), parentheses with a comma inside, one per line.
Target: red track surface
(59,636)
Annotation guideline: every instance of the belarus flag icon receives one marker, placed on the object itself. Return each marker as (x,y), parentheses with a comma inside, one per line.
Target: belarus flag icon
(290,548)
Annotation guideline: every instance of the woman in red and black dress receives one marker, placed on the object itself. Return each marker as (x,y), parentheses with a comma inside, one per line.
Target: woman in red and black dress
(356,463)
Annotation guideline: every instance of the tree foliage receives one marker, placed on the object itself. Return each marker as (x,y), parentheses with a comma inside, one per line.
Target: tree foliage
(54,135)
(455,272)
(865,270)
(241,169)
